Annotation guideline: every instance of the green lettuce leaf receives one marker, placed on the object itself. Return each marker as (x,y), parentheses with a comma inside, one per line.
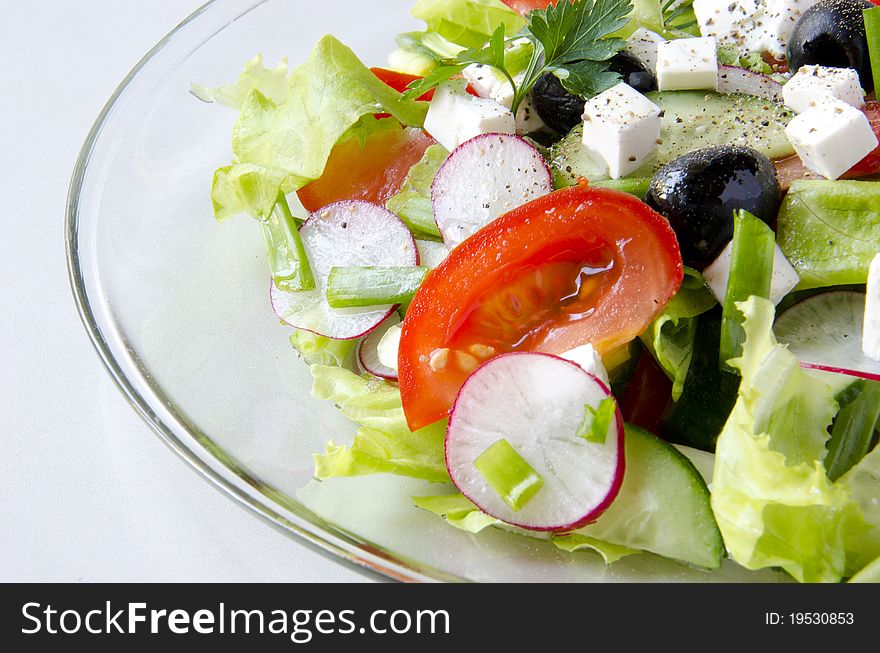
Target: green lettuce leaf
(773,501)
(729,55)
(413,203)
(285,145)
(611,553)
(670,338)
(468,23)
(271,82)
(829,230)
(318,350)
(384,443)
(457,510)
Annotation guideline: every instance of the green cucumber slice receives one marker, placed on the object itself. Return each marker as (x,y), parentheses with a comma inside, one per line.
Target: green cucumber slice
(663,505)
(692,120)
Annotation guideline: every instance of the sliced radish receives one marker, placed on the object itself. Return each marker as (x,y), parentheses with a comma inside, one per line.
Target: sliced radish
(733,79)
(369,349)
(536,402)
(483,179)
(825,333)
(345,234)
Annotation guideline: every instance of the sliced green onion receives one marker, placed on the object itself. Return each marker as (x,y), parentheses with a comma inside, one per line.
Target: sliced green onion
(872,31)
(751,271)
(508,473)
(853,431)
(284,248)
(412,204)
(355,287)
(596,421)
(637,186)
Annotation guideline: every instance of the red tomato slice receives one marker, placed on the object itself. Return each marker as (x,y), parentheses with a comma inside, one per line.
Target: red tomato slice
(870,165)
(400,81)
(525,6)
(373,171)
(580,265)
(647,395)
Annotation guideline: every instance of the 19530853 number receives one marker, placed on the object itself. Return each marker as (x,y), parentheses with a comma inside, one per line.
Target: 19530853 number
(822,618)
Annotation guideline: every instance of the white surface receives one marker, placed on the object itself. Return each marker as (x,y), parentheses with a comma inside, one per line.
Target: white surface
(685,64)
(812,85)
(783,280)
(456,116)
(89,492)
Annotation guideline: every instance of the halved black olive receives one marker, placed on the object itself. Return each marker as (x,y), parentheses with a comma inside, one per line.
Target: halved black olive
(699,192)
(562,111)
(633,71)
(832,33)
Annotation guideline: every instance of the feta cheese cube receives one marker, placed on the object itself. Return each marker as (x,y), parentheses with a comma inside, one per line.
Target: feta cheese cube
(643,44)
(492,85)
(685,64)
(751,25)
(871,330)
(455,116)
(831,137)
(589,360)
(621,129)
(388,347)
(783,281)
(812,85)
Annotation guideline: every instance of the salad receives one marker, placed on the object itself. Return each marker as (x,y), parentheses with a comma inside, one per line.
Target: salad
(604,272)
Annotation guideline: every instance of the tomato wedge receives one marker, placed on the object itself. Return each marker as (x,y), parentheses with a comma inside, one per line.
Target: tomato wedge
(400,81)
(523,7)
(580,265)
(372,171)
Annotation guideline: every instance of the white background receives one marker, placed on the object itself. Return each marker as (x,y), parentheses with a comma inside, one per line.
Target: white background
(89,493)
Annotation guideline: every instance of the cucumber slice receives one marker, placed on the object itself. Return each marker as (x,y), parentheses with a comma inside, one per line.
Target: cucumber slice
(663,505)
(692,120)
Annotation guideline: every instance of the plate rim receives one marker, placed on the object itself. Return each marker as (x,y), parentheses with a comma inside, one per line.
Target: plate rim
(339,546)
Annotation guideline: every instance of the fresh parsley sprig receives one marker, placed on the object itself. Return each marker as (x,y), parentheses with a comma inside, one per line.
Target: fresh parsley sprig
(571,39)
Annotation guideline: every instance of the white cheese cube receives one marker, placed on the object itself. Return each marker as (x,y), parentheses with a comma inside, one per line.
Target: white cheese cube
(492,85)
(455,116)
(621,129)
(783,281)
(831,137)
(685,64)
(388,347)
(643,45)
(871,331)
(751,25)
(589,360)
(812,85)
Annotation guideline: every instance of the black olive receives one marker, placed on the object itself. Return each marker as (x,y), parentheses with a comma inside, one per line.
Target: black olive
(832,33)
(562,111)
(699,192)
(559,109)
(633,71)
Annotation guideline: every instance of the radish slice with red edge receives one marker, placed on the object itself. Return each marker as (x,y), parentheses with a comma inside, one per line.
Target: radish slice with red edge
(483,179)
(345,234)
(825,333)
(536,404)
(368,350)
(733,79)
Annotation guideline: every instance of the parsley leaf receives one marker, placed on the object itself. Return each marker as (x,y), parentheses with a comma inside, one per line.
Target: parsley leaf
(571,40)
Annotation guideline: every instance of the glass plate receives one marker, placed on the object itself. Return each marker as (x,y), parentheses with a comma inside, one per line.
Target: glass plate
(177,307)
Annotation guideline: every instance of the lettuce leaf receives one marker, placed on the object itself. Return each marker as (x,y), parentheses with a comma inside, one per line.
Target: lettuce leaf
(670,338)
(464,515)
(271,82)
(412,203)
(283,145)
(829,230)
(384,443)
(772,498)
(318,350)
(468,23)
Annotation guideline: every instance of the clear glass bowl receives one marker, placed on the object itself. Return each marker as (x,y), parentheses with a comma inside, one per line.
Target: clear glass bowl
(177,308)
